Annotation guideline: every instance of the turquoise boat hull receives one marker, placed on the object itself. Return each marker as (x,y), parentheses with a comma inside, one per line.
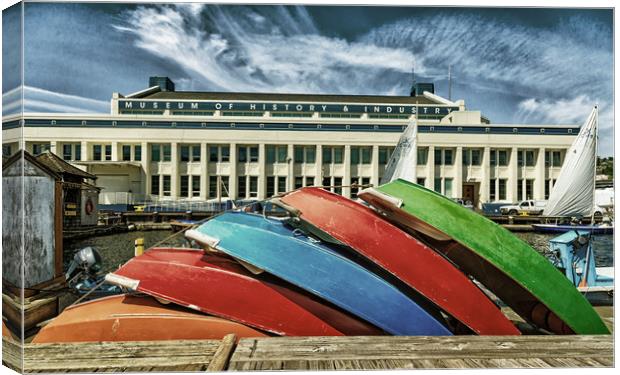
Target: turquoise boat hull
(289,254)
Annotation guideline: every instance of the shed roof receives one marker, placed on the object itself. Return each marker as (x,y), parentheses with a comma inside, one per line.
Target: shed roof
(31,159)
(53,162)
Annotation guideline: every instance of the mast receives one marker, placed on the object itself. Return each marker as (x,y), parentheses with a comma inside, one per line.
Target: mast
(450,82)
(595,161)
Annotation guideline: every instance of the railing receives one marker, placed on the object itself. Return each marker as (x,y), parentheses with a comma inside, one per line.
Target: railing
(123,201)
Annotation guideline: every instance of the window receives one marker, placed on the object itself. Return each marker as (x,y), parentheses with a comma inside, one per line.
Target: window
(155,184)
(276,153)
(493,158)
(242,154)
(384,154)
(529,189)
(502,158)
(333,154)
(271,186)
(502,189)
(299,182)
(360,181)
(309,181)
(96,152)
(7,150)
(447,187)
(67,152)
(327,182)
(242,187)
(327,155)
(39,148)
(305,154)
(366,155)
(242,113)
(155,153)
(219,153)
(126,152)
(253,154)
(108,152)
(422,155)
(355,155)
(195,153)
(213,154)
(466,157)
(167,151)
(78,152)
(421,181)
(530,158)
(438,160)
(253,186)
(137,152)
(437,186)
(185,186)
(185,153)
(520,189)
(281,184)
(447,157)
(553,158)
(195,186)
(476,157)
(213,186)
(291,114)
(337,185)
(520,158)
(492,195)
(167,185)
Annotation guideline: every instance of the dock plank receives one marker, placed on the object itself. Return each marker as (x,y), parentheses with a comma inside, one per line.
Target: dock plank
(370,353)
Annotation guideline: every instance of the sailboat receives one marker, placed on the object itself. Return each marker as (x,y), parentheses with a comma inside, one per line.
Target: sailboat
(574,191)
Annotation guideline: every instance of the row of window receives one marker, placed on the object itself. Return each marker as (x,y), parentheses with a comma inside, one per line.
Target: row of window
(302,154)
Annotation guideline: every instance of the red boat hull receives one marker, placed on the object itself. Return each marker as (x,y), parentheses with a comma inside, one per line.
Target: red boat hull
(136,318)
(220,286)
(414,263)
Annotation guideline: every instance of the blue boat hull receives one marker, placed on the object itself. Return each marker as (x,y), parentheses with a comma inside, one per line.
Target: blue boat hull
(289,254)
(552,228)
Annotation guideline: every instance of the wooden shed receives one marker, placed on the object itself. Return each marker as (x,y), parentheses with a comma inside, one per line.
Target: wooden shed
(80,195)
(31,223)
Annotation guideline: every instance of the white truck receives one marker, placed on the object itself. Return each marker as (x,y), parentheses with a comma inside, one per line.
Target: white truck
(530,207)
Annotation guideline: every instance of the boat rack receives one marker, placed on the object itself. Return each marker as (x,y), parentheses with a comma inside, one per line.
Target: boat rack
(315,353)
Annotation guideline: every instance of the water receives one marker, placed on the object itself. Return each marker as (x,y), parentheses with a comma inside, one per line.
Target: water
(603,245)
(116,249)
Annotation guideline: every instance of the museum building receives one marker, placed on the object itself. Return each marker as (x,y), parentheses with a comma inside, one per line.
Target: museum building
(160,144)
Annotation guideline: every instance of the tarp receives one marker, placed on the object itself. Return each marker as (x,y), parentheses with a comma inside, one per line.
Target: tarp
(573,192)
(403,162)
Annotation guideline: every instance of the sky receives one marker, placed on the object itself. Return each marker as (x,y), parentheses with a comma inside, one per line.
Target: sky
(517,65)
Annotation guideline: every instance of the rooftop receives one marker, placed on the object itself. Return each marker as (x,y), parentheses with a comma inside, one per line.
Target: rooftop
(60,166)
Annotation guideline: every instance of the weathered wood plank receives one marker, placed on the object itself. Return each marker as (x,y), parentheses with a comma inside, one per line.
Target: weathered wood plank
(223,353)
(368,353)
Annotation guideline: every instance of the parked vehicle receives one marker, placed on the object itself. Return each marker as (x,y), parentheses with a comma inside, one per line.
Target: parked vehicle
(530,207)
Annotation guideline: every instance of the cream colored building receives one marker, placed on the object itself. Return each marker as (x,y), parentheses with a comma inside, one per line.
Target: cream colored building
(163,144)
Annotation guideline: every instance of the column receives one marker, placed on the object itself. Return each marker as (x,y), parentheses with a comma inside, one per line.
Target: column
(232,178)
(539,183)
(290,179)
(318,172)
(457,187)
(486,175)
(430,168)
(374,178)
(513,176)
(346,180)
(115,151)
(174,170)
(204,171)
(53,148)
(145,163)
(262,178)
(84,151)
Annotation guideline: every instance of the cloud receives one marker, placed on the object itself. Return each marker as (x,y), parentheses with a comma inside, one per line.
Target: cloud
(39,100)
(242,50)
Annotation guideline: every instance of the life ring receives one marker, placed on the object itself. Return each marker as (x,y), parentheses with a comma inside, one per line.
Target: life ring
(89,207)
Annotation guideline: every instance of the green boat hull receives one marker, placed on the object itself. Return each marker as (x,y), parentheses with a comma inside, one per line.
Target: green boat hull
(503,263)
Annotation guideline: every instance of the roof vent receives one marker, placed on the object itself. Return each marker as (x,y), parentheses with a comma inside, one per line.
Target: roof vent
(164,83)
(419,88)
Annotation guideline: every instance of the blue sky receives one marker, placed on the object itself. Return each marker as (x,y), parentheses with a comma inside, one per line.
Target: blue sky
(517,65)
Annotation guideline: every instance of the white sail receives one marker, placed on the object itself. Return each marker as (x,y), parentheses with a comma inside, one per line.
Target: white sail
(573,192)
(402,163)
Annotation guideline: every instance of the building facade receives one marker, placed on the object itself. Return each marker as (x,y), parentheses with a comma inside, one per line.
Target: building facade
(163,144)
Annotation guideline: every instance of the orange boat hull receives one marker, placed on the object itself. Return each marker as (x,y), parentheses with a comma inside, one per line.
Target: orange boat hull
(136,318)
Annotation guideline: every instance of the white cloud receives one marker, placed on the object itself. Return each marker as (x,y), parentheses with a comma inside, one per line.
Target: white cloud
(40,100)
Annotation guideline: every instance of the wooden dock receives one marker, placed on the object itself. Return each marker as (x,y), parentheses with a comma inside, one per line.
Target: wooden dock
(315,353)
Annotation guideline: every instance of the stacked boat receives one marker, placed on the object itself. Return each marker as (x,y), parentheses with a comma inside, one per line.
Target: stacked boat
(408,262)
